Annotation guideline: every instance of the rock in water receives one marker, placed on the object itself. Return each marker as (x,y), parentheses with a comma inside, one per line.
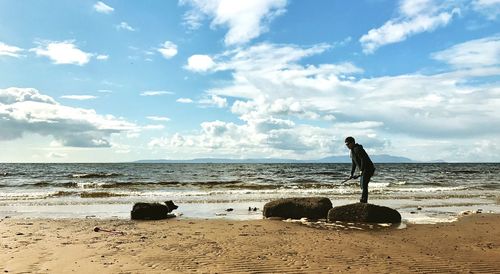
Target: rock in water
(152,211)
(365,213)
(296,208)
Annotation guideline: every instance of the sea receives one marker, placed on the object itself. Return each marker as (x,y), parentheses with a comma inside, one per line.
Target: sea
(421,192)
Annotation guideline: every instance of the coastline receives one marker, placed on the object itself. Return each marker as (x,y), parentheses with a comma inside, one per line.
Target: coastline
(190,245)
(431,210)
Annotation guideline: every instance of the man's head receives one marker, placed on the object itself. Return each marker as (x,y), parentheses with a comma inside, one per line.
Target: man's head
(350,142)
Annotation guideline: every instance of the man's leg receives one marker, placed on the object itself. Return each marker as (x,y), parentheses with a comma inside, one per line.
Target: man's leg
(363,181)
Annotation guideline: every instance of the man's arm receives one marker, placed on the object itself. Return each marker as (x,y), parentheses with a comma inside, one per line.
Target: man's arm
(353,168)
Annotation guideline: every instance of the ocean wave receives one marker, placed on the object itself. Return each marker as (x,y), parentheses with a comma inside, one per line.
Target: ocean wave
(100,194)
(63,194)
(467,171)
(95,175)
(426,189)
(52,184)
(485,187)
(335,173)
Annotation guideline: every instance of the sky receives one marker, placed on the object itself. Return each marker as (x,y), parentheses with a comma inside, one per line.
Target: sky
(114,81)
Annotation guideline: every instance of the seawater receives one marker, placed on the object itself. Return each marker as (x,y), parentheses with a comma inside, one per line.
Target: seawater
(206,190)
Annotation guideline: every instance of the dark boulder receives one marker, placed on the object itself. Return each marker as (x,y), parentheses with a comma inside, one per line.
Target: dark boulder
(152,211)
(364,213)
(296,208)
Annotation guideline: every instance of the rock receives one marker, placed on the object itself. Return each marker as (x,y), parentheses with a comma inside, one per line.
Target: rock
(152,211)
(296,208)
(365,213)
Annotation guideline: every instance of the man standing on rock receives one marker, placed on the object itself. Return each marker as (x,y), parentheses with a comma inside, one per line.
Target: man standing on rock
(361,160)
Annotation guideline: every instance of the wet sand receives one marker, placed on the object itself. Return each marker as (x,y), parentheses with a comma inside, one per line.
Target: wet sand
(472,244)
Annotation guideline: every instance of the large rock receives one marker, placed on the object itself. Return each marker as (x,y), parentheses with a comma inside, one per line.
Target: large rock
(152,211)
(296,208)
(365,213)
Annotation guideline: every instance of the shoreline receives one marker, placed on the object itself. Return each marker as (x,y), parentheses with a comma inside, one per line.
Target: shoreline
(431,211)
(472,243)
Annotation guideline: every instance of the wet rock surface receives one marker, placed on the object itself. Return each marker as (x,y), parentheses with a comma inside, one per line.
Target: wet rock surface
(364,212)
(296,208)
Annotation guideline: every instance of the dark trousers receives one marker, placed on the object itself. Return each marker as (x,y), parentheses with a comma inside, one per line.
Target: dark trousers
(363,183)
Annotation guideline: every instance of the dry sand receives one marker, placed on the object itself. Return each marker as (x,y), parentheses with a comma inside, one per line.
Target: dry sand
(471,244)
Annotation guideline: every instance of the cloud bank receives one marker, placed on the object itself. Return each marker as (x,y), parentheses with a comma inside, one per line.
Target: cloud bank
(288,109)
(26,110)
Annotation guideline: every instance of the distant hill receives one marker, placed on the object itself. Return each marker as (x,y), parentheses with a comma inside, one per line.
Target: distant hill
(382,158)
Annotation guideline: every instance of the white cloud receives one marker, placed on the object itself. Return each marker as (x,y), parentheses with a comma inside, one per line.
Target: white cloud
(11,51)
(103,8)
(262,57)
(474,53)
(490,8)
(168,49)
(200,63)
(155,93)
(158,118)
(65,52)
(102,57)
(246,20)
(13,95)
(79,97)
(415,16)
(125,26)
(214,100)
(26,110)
(184,100)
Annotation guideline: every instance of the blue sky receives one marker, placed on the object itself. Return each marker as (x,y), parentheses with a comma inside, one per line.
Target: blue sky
(106,81)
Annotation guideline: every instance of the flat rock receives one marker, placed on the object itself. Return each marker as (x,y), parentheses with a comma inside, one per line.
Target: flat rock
(364,213)
(296,208)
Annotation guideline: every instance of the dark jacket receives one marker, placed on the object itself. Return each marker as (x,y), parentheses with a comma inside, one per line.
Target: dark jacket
(361,159)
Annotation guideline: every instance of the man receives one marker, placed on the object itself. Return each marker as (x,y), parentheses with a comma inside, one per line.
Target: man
(361,160)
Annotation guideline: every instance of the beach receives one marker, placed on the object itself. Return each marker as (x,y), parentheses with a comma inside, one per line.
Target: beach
(197,245)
